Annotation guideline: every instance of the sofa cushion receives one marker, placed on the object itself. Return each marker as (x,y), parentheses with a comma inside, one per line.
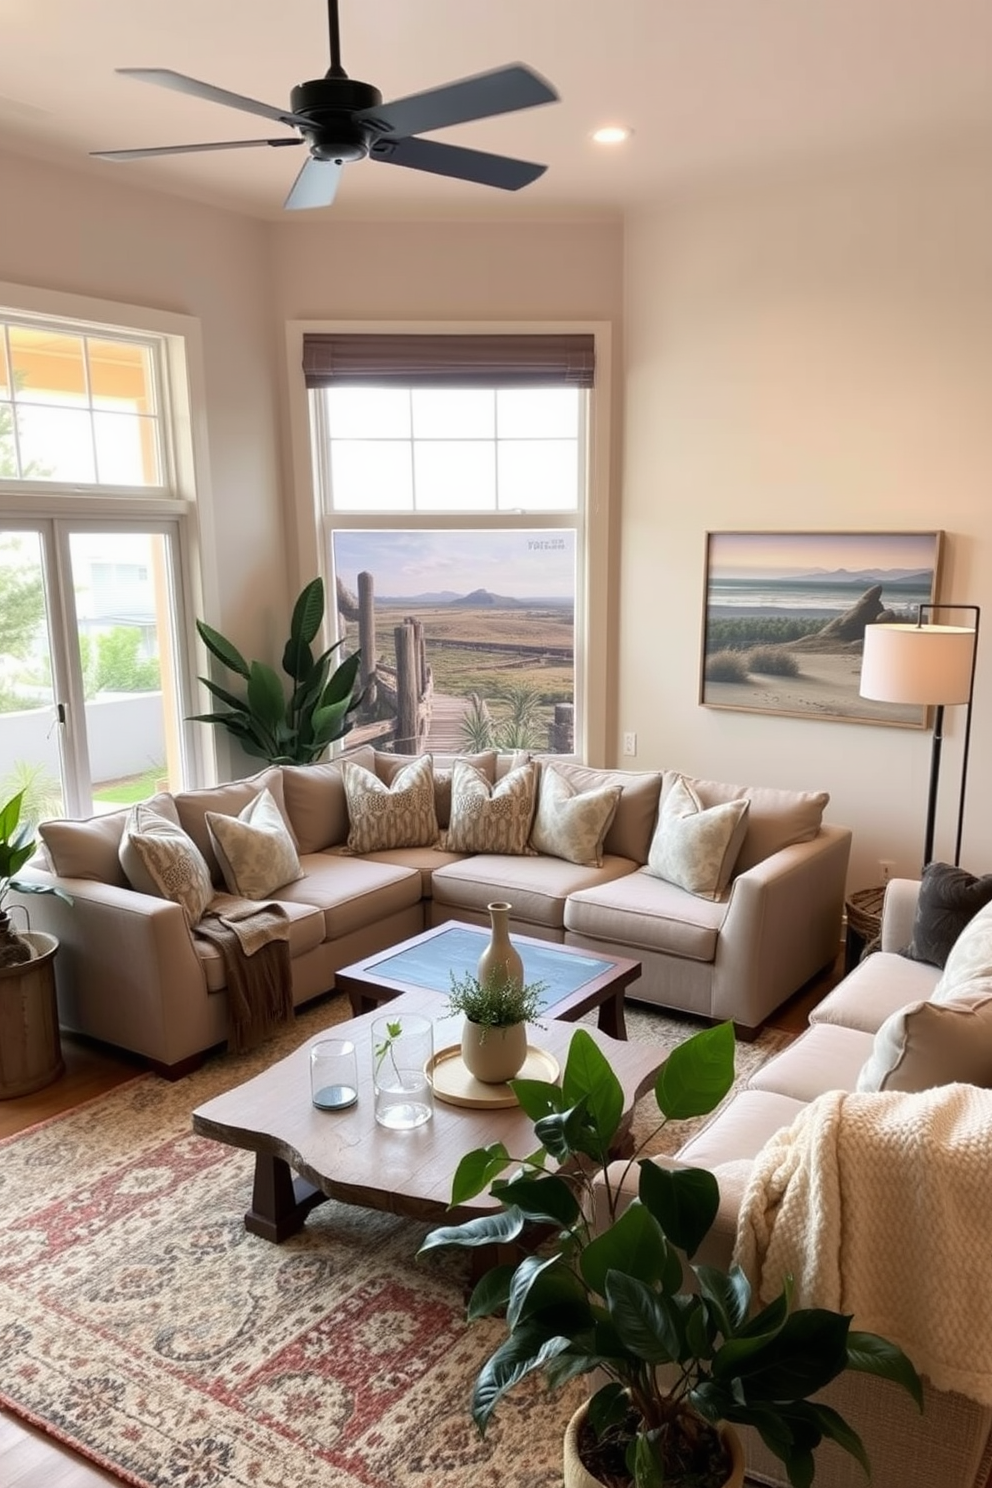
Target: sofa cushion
(388,765)
(351,893)
(629,833)
(90,847)
(490,818)
(970,956)
(159,858)
(694,846)
(316,807)
(255,850)
(228,799)
(647,914)
(306,933)
(949,898)
(930,1043)
(569,823)
(426,861)
(398,815)
(538,888)
(878,986)
(825,1057)
(776,818)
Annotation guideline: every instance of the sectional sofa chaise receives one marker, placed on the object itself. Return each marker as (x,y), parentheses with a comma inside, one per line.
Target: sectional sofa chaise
(730,896)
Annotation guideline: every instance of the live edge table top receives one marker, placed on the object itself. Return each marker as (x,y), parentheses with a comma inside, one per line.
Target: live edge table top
(303,1155)
(577,980)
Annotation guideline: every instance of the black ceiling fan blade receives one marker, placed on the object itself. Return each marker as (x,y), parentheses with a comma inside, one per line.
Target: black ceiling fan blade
(164,77)
(190,149)
(453,160)
(499,92)
(315,186)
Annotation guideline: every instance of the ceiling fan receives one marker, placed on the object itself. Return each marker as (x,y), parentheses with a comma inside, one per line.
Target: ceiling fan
(342,120)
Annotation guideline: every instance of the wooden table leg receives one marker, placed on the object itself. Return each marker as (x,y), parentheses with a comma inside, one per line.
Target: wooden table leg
(280,1202)
(611,1017)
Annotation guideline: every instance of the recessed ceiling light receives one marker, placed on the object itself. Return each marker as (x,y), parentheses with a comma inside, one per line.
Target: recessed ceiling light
(612,134)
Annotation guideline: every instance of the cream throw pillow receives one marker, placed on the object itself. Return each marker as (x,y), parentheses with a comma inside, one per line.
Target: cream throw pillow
(401,814)
(572,824)
(159,858)
(491,818)
(929,1043)
(255,850)
(970,956)
(696,847)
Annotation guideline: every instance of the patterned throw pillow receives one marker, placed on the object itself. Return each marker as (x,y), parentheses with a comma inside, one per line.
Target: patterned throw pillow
(383,816)
(255,851)
(572,824)
(697,847)
(159,858)
(491,818)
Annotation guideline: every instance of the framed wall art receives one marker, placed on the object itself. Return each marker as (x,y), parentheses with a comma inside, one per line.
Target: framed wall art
(785,616)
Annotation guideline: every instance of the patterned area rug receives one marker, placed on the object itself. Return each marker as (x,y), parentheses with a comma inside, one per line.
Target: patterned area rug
(142,1325)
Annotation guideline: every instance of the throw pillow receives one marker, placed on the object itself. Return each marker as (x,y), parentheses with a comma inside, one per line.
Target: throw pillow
(694,846)
(159,858)
(255,851)
(89,847)
(949,898)
(776,818)
(572,824)
(491,818)
(927,1044)
(970,956)
(388,766)
(382,816)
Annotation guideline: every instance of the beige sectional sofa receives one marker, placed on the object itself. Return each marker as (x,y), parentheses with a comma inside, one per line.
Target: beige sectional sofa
(130,971)
(877,1030)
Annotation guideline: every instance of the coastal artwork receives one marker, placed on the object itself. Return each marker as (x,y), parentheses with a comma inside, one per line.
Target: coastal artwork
(495,613)
(786,612)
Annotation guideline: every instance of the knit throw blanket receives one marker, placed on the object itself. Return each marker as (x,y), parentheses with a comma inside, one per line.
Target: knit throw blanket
(878,1205)
(253,940)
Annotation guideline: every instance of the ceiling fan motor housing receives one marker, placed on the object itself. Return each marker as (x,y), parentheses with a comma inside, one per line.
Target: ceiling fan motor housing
(331,103)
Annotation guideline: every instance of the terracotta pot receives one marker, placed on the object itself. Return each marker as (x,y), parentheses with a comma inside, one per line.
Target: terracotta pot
(577,1476)
(500,954)
(494,1055)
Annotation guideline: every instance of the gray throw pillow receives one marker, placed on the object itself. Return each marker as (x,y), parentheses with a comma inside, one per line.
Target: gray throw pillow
(949,898)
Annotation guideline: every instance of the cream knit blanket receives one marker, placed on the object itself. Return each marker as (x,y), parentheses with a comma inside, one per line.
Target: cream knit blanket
(880,1205)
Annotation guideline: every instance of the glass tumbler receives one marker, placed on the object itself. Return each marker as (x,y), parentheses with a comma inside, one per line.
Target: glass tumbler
(333,1074)
(402,1052)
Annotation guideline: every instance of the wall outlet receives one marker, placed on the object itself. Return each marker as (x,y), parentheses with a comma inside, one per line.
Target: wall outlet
(630,743)
(886,868)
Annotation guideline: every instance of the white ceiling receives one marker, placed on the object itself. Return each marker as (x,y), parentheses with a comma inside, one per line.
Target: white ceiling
(708,86)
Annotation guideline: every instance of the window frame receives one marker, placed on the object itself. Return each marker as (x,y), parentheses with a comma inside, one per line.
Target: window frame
(309,547)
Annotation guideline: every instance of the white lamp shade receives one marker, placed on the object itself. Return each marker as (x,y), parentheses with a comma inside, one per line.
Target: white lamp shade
(927,664)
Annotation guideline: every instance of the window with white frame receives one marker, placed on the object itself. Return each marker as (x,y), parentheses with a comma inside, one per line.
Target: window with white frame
(93,544)
(453,474)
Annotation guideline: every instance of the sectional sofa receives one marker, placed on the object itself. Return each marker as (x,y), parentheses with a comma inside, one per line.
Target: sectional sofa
(731,897)
(918,1037)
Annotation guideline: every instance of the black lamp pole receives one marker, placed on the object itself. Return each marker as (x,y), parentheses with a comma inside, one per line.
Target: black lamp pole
(938,739)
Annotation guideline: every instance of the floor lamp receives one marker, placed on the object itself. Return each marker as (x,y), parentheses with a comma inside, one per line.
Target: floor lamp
(932,665)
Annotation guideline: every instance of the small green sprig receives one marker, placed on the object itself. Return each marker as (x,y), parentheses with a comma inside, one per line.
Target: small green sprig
(384,1048)
(498,1001)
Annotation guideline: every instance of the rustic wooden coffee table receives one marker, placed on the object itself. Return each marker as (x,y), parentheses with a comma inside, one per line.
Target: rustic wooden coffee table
(578,980)
(304,1156)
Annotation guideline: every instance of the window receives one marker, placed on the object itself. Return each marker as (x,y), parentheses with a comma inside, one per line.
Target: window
(95,513)
(452,475)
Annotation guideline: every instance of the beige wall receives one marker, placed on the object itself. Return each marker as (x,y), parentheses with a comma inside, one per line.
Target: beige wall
(810,353)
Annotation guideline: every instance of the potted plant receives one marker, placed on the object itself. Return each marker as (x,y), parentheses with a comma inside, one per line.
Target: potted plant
(268,724)
(611,1297)
(17,845)
(497,1009)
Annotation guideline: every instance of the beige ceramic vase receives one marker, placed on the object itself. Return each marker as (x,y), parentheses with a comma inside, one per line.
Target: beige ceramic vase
(494,1055)
(578,1476)
(500,954)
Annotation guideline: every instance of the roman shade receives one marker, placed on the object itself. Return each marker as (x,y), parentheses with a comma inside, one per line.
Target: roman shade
(332,358)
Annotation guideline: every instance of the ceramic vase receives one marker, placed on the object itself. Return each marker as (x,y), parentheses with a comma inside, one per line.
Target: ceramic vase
(577,1474)
(500,954)
(494,1055)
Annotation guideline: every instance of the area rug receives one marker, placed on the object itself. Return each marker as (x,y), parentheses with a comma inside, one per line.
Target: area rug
(141,1325)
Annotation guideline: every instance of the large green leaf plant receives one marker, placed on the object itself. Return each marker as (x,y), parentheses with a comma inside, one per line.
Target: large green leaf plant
(291,727)
(17,845)
(614,1298)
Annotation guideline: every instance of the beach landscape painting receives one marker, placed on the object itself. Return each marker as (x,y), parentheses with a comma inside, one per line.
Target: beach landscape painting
(785,616)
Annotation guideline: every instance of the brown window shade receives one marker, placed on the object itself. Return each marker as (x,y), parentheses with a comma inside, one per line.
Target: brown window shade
(487,360)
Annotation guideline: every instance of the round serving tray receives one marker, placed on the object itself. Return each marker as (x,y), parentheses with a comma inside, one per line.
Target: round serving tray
(454,1084)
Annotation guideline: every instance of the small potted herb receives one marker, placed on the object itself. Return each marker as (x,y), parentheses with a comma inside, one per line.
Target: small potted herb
(497,1009)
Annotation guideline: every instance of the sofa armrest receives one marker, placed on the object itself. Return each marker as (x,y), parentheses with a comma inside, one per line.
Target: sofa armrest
(898,913)
(782,927)
(126,970)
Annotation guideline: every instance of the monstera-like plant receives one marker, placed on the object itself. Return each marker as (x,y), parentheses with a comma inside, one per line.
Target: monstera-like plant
(290,726)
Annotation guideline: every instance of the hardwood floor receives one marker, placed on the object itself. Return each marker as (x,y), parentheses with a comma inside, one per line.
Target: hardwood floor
(29,1458)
